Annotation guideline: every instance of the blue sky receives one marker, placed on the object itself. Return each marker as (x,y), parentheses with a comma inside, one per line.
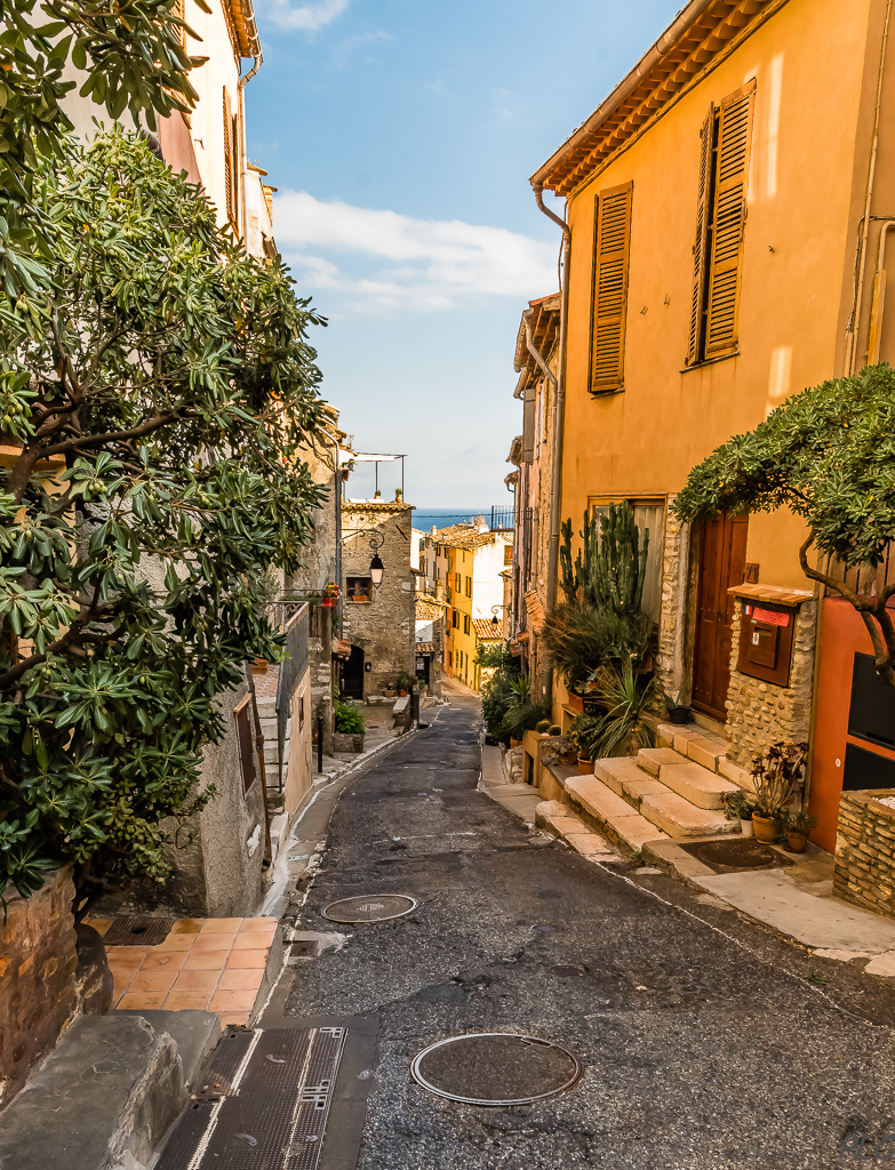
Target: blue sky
(401,135)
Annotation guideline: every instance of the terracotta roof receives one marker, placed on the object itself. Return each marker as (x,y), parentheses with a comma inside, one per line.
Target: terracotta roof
(428,611)
(465,536)
(486,631)
(425,648)
(542,317)
(340,648)
(376,506)
(241,19)
(699,37)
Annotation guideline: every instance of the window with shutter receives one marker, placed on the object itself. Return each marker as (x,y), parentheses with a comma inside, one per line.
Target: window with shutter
(611,250)
(720,224)
(228,157)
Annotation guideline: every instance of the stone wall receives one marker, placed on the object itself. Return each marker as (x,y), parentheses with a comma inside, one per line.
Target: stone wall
(671,659)
(760,713)
(865,851)
(384,627)
(37,988)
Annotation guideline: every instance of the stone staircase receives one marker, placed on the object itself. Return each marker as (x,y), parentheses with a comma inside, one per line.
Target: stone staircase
(673,790)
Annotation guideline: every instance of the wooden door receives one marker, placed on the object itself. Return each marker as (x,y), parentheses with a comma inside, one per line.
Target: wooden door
(353,675)
(722,564)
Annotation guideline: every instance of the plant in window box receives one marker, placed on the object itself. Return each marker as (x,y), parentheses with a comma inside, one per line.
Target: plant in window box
(776,775)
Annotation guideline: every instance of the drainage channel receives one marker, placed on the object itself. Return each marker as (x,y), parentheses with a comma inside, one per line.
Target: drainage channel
(264,1105)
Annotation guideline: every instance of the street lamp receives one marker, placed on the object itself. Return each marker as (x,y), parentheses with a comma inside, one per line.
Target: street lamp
(377,568)
(495,621)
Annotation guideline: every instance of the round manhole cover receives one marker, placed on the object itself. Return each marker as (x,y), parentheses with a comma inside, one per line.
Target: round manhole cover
(495,1068)
(370,908)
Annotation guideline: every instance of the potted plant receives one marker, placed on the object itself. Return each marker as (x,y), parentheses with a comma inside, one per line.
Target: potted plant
(625,698)
(738,807)
(584,733)
(349,726)
(542,727)
(776,774)
(522,714)
(797,825)
(678,711)
(404,683)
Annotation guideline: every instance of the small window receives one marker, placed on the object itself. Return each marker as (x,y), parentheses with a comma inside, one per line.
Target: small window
(301,714)
(467,625)
(469,586)
(360,589)
(458,580)
(246,740)
(720,224)
(455,619)
(507,554)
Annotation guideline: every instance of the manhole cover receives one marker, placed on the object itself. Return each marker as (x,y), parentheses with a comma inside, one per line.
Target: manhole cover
(495,1068)
(370,908)
(730,856)
(137,932)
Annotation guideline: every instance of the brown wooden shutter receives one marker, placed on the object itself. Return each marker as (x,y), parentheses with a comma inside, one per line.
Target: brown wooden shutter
(611,255)
(728,221)
(697,304)
(228,156)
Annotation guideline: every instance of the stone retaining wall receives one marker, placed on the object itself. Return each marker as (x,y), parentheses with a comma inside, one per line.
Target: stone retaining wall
(865,851)
(761,713)
(37,988)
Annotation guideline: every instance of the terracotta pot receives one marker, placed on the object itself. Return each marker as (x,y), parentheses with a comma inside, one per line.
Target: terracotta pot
(766,829)
(570,759)
(576,702)
(515,742)
(259,665)
(796,842)
(585,767)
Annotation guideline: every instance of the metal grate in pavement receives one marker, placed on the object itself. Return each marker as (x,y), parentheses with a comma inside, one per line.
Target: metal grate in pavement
(275,1108)
(370,908)
(137,931)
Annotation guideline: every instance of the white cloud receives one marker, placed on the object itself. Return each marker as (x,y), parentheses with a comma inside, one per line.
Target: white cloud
(382,260)
(305,17)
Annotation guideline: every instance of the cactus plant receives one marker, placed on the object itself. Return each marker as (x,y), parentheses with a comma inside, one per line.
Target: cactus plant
(609,569)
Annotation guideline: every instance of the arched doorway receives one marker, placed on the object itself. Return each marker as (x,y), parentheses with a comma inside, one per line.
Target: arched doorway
(353,674)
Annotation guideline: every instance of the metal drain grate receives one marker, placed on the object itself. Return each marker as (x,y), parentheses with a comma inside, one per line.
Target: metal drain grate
(137,932)
(370,908)
(736,854)
(275,1106)
(305,948)
(495,1068)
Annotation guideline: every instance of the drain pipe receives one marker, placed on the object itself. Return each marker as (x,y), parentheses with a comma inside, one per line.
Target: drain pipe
(559,395)
(257,61)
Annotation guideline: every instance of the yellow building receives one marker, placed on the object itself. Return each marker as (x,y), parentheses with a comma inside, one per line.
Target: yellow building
(462,566)
(726,206)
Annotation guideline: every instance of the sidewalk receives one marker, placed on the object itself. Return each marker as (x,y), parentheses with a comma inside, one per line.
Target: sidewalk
(795,900)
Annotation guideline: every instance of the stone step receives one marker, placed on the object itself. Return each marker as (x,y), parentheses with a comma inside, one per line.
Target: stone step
(626,779)
(677,817)
(557,818)
(612,813)
(695,783)
(696,743)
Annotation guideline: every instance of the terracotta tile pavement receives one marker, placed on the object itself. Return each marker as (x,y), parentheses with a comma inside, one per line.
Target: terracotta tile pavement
(212,963)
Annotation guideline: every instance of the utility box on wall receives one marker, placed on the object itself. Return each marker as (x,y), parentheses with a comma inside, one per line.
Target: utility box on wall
(766,635)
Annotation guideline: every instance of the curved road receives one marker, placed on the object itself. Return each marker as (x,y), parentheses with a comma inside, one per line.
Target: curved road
(707,1043)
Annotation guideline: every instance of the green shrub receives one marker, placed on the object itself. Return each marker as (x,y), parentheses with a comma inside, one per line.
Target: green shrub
(349,719)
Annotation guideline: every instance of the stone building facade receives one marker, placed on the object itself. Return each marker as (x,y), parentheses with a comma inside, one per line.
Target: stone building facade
(378,621)
(865,852)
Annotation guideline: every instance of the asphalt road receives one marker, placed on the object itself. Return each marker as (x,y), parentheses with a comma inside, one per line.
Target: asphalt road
(707,1043)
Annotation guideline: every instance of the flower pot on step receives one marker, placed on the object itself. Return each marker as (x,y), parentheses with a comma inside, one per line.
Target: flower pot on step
(679,715)
(796,842)
(585,767)
(766,829)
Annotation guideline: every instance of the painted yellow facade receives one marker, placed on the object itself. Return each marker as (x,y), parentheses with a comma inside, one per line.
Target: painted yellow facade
(813,72)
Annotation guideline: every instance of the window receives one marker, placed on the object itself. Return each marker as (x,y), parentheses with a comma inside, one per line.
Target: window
(243,717)
(507,554)
(455,619)
(458,580)
(231,162)
(467,625)
(720,223)
(360,589)
(469,586)
(649,512)
(612,239)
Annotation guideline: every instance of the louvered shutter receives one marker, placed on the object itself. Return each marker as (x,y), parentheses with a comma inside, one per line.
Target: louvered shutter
(528,423)
(697,304)
(610,287)
(228,156)
(728,222)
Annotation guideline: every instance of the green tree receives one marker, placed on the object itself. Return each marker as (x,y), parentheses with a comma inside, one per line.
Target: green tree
(154,400)
(828,454)
(130,56)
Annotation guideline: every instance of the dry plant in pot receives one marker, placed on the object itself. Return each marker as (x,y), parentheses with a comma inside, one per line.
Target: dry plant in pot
(776,774)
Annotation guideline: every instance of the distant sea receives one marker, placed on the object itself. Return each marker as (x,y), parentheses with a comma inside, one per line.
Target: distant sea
(442,517)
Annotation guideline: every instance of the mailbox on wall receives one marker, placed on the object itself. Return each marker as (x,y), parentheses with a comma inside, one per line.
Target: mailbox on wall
(766,637)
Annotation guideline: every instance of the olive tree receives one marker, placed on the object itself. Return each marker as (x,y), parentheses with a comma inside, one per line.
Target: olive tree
(154,397)
(828,454)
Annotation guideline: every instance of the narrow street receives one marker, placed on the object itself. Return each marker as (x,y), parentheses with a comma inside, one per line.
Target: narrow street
(706,1042)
